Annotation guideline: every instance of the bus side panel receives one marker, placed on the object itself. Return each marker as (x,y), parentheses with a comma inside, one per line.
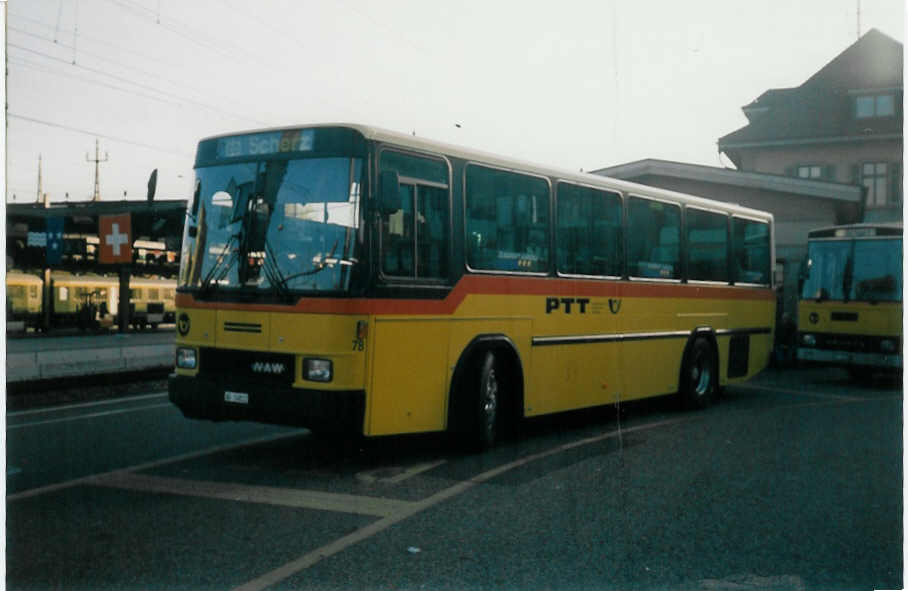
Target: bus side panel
(575,374)
(408,389)
(651,364)
(568,377)
(751,314)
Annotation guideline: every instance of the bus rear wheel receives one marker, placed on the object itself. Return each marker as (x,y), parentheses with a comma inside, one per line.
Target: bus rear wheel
(700,376)
(488,402)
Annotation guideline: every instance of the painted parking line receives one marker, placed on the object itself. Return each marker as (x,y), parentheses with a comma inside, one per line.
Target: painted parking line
(120,400)
(268,495)
(311,558)
(799,392)
(395,474)
(92,415)
(155,464)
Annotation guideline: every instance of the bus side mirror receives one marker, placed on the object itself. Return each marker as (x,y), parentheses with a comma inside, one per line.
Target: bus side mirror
(389,201)
(195,199)
(803,274)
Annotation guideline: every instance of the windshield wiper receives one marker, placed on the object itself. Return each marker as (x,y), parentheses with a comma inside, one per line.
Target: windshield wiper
(217,272)
(273,271)
(316,267)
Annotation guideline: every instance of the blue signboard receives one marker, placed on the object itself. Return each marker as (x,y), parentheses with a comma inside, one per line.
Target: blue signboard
(54,230)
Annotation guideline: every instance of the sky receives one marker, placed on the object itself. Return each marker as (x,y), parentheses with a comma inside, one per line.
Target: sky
(572,84)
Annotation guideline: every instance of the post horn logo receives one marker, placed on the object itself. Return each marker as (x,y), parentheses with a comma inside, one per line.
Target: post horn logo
(614,305)
(183,324)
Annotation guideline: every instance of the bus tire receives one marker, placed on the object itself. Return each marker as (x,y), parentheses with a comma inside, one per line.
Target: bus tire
(700,375)
(487,404)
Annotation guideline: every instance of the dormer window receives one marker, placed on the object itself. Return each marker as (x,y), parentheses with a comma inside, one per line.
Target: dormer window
(880,105)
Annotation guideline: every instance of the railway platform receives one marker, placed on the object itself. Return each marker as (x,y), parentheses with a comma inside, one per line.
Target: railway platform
(55,357)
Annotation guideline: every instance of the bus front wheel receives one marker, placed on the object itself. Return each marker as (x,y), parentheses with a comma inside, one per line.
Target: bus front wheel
(700,376)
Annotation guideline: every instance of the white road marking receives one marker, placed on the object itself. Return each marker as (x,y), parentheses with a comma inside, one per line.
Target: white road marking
(149,465)
(93,415)
(798,392)
(269,495)
(311,558)
(400,473)
(85,404)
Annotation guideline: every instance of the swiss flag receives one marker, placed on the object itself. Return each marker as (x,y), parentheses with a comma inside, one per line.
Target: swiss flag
(116,240)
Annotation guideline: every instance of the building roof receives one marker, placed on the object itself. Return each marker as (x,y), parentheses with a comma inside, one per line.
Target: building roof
(158,218)
(822,108)
(735,178)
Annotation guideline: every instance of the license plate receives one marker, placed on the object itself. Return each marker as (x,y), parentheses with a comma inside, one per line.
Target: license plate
(236,397)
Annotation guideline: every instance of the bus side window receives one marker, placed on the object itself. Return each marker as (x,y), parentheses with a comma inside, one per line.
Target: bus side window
(414,239)
(654,232)
(507,220)
(707,245)
(751,251)
(589,235)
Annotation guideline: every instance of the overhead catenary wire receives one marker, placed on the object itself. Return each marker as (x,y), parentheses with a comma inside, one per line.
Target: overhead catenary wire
(195,37)
(83,37)
(93,133)
(177,83)
(140,85)
(22,62)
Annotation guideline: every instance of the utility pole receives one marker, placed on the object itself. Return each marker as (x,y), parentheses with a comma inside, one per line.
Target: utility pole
(97,160)
(38,199)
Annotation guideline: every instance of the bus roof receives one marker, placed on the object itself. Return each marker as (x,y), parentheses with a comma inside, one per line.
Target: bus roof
(444,149)
(861,230)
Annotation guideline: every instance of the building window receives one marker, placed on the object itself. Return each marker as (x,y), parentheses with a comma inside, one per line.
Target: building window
(810,172)
(874,177)
(882,105)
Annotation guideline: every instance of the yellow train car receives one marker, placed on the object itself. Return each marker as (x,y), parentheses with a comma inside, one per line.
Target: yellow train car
(84,300)
(850,309)
(350,278)
(152,301)
(24,292)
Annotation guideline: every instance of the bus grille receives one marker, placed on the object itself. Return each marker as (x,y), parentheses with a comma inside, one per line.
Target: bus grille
(242,327)
(272,369)
(852,343)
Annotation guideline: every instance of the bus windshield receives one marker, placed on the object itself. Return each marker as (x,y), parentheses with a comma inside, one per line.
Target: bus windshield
(860,270)
(877,274)
(274,226)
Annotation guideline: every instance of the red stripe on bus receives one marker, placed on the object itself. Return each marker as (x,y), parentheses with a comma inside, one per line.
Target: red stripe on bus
(494,285)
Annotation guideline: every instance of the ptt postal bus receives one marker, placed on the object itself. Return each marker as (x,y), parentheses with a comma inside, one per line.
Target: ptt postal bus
(344,277)
(850,309)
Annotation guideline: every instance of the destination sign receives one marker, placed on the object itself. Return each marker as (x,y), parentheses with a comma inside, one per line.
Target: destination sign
(262,144)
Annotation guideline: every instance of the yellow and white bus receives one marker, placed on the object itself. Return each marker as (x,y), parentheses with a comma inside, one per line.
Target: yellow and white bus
(850,310)
(347,277)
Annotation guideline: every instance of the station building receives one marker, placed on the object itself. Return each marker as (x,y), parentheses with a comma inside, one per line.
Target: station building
(826,152)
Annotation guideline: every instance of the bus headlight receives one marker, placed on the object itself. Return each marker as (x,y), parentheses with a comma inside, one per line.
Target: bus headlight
(186,358)
(808,340)
(317,370)
(887,346)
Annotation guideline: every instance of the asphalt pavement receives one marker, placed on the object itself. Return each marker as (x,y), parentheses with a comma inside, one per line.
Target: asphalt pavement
(792,481)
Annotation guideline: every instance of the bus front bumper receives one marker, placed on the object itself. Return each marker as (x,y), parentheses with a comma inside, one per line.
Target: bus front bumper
(320,410)
(833,357)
